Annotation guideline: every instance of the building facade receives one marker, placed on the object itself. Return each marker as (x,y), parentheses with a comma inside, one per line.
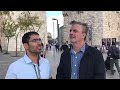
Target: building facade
(61,35)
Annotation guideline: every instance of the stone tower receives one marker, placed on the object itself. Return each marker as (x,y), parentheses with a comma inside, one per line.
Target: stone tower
(103,24)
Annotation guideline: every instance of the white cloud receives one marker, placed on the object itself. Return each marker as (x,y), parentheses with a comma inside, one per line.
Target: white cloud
(50,24)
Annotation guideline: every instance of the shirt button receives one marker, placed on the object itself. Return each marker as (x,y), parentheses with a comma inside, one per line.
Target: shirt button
(74,73)
(75,57)
(75,65)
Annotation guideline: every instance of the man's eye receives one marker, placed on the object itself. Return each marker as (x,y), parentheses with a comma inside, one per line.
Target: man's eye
(34,40)
(74,30)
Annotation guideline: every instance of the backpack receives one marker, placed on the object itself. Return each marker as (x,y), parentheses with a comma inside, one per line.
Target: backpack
(115,53)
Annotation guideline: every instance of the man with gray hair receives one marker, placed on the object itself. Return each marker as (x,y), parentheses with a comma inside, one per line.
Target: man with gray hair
(81,61)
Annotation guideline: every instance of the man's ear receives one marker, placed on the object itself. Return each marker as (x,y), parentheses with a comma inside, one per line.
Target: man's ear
(26,46)
(84,35)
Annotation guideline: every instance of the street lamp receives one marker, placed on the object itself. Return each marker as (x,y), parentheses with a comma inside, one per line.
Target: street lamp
(90,33)
(57,28)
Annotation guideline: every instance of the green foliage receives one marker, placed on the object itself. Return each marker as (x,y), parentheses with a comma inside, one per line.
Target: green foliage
(9,27)
(28,22)
(25,22)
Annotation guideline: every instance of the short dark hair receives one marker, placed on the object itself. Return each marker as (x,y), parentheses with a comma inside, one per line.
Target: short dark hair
(26,36)
(85,26)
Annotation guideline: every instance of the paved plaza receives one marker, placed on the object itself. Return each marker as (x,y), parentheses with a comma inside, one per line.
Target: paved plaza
(54,58)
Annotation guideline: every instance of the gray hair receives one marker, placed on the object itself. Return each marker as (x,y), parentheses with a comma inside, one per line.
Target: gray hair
(85,26)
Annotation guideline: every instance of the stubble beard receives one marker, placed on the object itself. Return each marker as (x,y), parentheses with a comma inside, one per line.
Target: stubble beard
(34,51)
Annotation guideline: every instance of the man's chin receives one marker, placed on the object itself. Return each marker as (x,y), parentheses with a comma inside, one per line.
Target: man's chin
(38,52)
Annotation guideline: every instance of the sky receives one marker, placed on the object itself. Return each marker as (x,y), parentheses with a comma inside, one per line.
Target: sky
(52,24)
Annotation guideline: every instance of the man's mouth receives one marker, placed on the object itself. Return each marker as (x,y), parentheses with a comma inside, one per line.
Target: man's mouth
(39,47)
(71,37)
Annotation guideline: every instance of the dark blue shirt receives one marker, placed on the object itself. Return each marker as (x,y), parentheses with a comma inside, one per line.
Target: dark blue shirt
(75,62)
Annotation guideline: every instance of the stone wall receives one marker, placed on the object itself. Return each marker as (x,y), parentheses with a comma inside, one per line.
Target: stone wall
(88,17)
(111,25)
(99,22)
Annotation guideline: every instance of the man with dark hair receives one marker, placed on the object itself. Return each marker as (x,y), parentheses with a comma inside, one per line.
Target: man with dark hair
(81,61)
(31,65)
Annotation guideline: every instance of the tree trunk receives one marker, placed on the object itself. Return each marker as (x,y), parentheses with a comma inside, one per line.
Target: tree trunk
(16,54)
(16,48)
(7,46)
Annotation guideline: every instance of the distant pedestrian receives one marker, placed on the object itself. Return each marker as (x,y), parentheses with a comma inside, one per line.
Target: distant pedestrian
(50,46)
(113,53)
(0,46)
(64,47)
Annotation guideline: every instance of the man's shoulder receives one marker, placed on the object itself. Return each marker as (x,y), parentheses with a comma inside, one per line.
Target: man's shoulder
(67,51)
(92,49)
(17,62)
(44,60)
(95,54)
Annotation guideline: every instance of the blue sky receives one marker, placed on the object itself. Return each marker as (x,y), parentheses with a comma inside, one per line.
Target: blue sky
(54,14)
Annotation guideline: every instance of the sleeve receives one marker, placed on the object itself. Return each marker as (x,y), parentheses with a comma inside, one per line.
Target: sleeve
(45,70)
(10,73)
(50,71)
(99,67)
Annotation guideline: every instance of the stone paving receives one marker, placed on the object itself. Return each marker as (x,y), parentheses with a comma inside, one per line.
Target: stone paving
(52,56)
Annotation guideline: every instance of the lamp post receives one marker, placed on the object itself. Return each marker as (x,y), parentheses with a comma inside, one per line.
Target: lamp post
(90,33)
(57,28)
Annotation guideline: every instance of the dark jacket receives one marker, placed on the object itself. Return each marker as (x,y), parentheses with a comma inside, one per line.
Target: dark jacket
(64,47)
(92,65)
(113,52)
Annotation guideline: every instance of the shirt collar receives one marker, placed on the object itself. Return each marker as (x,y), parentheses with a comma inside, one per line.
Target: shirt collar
(81,50)
(27,59)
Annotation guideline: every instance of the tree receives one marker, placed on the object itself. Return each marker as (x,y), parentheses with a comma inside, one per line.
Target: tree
(29,22)
(24,22)
(8,27)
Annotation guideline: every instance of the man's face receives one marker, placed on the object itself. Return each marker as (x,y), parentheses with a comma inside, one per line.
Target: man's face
(76,34)
(34,44)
